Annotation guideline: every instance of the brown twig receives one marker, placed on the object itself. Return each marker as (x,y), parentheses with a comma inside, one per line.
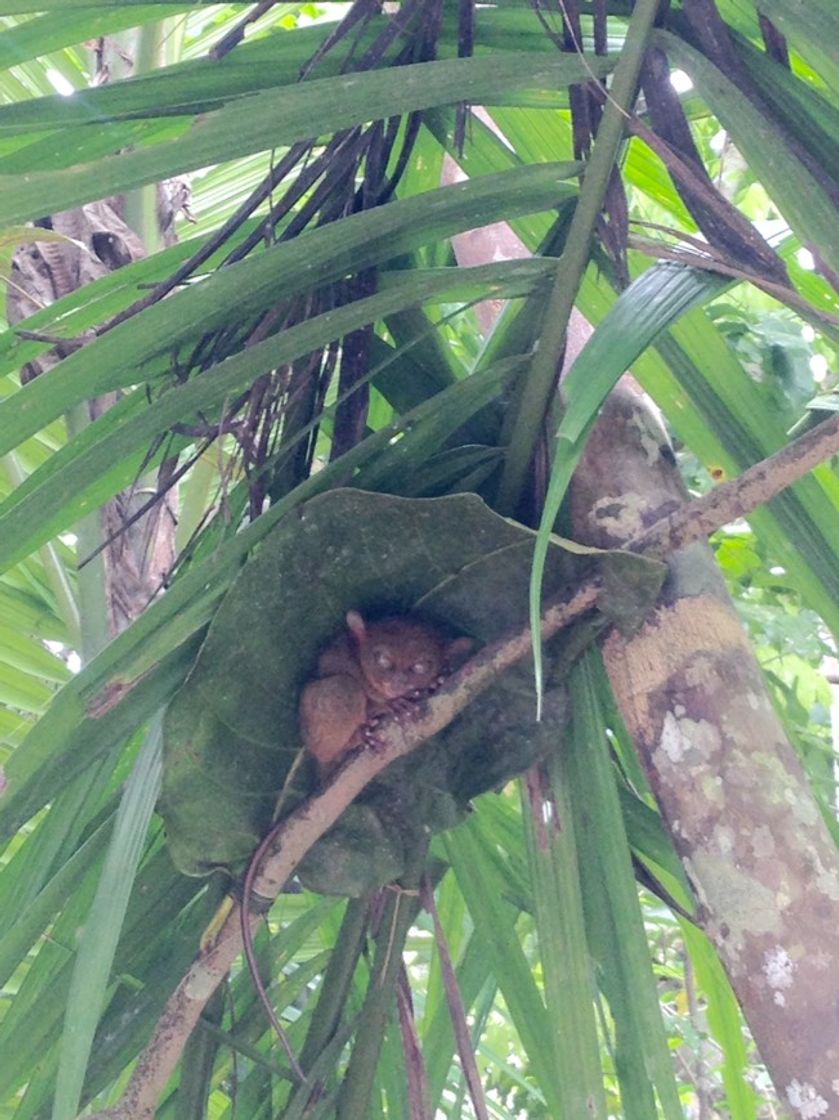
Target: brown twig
(246,934)
(416,1076)
(709,259)
(69,344)
(233,37)
(457,1012)
(302,828)
(730,500)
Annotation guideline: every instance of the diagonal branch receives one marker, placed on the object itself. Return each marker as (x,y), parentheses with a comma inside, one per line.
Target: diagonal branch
(742,495)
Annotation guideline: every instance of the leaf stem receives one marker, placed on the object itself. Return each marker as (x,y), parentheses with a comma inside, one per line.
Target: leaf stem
(354,1100)
(537,390)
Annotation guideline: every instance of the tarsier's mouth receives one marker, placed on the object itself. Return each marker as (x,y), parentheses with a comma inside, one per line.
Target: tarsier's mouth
(396,688)
(401,686)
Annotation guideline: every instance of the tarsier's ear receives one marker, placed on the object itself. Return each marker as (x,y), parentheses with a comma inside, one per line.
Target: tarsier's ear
(356,626)
(458,650)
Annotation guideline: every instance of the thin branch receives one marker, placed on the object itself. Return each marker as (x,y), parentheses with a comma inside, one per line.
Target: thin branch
(416,1077)
(457,1011)
(245,932)
(233,37)
(710,260)
(741,496)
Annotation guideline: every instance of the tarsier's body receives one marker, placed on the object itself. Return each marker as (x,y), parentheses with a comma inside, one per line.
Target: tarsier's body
(369,670)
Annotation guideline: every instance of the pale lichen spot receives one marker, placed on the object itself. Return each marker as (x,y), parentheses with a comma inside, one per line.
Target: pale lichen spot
(649,428)
(673,742)
(754,701)
(783,898)
(724,839)
(704,736)
(649,444)
(713,790)
(749,906)
(780,999)
(619,518)
(803,806)
(778,968)
(703,672)
(827,883)
(805,1100)
(763,842)
(679,735)
(835,1086)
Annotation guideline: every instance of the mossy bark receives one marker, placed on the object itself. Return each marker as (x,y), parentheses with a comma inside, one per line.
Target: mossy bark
(727,780)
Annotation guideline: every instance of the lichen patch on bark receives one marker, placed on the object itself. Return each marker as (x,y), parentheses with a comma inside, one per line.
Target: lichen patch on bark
(619,519)
(750,907)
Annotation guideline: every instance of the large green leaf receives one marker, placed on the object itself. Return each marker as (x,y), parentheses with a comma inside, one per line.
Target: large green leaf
(800,196)
(278,117)
(143,344)
(111,453)
(141,668)
(231,733)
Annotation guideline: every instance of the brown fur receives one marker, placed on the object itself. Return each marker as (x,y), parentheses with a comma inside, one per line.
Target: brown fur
(369,670)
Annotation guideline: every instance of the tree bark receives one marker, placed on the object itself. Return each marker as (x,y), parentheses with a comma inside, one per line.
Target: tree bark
(137,555)
(727,780)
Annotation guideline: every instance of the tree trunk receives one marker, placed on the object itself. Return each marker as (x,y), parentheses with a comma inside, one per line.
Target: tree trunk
(137,554)
(728,783)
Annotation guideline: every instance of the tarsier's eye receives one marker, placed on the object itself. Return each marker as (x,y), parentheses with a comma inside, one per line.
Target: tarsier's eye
(421,668)
(383,659)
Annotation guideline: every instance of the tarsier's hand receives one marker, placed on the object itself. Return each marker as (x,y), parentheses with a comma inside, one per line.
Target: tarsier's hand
(407,707)
(371,735)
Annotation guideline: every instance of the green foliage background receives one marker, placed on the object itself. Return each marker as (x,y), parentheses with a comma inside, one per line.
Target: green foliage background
(576,983)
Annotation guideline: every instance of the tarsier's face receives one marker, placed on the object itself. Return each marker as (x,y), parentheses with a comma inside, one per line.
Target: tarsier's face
(399,657)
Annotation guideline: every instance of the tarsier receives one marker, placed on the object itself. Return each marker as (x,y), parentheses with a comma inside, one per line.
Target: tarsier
(371,669)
